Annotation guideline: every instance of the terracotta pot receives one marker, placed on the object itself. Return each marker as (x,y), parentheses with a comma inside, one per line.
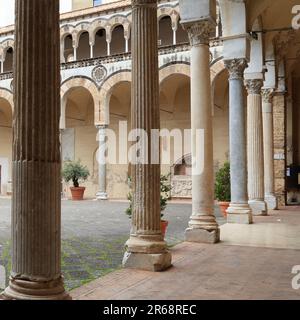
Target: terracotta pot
(164,225)
(77,193)
(224,206)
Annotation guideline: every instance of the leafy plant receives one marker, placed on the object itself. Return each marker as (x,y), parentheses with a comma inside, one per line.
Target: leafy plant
(74,171)
(222,184)
(165,188)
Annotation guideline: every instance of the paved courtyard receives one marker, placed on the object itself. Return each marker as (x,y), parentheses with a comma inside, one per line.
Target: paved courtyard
(93,236)
(250,262)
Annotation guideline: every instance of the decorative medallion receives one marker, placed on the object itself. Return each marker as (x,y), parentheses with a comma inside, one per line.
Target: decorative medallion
(98,74)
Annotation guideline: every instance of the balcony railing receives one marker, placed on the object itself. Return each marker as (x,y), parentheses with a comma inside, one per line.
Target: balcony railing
(182,47)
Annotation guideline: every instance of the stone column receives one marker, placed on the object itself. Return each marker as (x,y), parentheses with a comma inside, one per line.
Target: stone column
(255,148)
(203,226)
(74,53)
(36,206)
(102,194)
(1,66)
(146,248)
(267,111)
(239,210)
(108,46)
(92,50)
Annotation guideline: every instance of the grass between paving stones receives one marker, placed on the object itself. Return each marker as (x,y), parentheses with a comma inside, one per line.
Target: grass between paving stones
(83,259)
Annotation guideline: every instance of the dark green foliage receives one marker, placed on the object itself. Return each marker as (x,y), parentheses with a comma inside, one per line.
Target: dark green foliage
(165,188)
(222,184)
(74,171)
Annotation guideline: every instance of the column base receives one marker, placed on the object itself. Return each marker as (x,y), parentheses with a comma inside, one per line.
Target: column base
(147,261)
(202,235)
(147,252)
(101,196)
(30,290)
(239,213)
(258,207)
(272,202)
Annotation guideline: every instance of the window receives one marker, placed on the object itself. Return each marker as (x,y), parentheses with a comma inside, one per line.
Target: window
(97,2)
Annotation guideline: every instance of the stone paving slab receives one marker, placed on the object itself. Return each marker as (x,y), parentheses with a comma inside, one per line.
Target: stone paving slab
(93,236)
(204,272)
(251,262)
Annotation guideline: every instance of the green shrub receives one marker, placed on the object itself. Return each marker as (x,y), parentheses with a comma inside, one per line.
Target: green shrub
(74,171)
(165,188)
(222,184)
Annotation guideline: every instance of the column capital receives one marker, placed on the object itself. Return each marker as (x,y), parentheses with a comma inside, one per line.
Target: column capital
(199,32)
(254,86)
(267,94)
(236,68)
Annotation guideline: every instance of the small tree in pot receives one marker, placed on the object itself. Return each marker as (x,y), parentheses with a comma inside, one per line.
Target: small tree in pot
(165,189)
(222,187)
(74,171)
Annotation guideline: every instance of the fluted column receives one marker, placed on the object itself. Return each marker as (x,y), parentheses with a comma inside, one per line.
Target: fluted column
(255,148)
(239,210)
(203,226)
(146,248)
(267,111)
(102,194)
(36,206)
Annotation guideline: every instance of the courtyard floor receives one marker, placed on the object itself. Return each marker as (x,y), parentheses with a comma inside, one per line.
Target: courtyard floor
(250,262)
(93,236)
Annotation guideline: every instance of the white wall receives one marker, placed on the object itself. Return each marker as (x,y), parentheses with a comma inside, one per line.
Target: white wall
(7,14)
(7,10)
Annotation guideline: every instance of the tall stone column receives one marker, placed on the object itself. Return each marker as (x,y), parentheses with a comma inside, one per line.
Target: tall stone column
(102,194)
(255,148)
(36,206)
(203,226)
(239,210)
(267,111)
(146,248)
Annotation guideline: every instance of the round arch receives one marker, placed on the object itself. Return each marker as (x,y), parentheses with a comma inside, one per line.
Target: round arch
(73,83)
(178,68)
(106,91)
(216,68)
(8,96)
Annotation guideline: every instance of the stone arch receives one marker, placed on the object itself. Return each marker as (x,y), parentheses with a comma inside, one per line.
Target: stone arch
(105,94)
(66,31)
(4,46)
(79,29)
(95,26)
(8,96)
(175,68)
(216,68)
(167,11)
(72,83)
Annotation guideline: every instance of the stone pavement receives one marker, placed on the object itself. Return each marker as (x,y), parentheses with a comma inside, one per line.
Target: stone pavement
(247,264)
(93,236)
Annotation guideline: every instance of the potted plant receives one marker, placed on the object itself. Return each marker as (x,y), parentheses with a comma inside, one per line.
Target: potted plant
(165,189)
(222,187)
(74,171)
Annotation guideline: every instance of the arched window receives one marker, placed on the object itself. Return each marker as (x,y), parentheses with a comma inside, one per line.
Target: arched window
(83,50)
(165,31)
(100,47)
(8,62)
(117,41)
(68,48)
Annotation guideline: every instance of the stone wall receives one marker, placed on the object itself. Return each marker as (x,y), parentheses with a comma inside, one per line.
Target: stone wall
(279,146)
